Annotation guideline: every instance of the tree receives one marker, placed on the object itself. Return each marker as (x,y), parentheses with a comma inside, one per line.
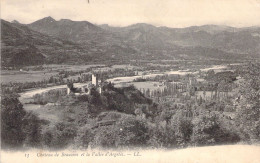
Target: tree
(162,137)
(207,130)
(51,80)
(95,97)
(182,126)
(32,130)
(128,132)
(12,114)
(84,136)
(248,110)
(210,74)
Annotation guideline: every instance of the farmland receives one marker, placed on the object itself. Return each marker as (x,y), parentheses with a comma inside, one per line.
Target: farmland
(28,76)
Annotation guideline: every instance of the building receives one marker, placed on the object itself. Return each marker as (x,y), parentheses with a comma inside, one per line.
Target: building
(94,79)
(86,88)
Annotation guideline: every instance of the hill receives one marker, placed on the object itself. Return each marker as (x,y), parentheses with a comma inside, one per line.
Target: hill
(22,46)
(99,42)
(67,29)
(148,40)
(228,39)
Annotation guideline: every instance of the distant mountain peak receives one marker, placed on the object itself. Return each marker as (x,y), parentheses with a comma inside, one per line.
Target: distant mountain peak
(44,22)
(68,21)
(15,22)
(105,25)
(141,25)
(65,20)
(48,19)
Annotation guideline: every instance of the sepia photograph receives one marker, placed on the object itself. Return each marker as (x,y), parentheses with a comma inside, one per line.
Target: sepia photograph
(130,81)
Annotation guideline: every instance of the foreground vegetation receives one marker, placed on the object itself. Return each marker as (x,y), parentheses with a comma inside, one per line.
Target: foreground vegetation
(126,118)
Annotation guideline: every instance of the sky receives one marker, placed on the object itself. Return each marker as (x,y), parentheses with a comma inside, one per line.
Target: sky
(170,13)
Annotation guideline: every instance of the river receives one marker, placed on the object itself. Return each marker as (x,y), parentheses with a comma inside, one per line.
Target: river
(126,79)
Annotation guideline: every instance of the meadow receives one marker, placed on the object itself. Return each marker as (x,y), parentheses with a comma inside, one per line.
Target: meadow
(25,76)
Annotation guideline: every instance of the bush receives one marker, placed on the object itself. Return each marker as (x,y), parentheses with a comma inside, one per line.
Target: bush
(183,128)
(208,131)
(162,137)
(59,136)
(84,136)
(248,110)
(128,132)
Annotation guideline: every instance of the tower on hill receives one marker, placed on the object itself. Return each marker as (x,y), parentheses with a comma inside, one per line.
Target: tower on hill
(94,79)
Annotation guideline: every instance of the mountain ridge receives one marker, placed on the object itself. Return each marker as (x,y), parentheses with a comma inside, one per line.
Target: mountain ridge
(22,46)
(98,43)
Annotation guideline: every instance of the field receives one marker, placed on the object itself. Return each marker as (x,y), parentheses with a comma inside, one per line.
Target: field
(39,73)
(26,76)
(143,85)
(56,67)
(44,72)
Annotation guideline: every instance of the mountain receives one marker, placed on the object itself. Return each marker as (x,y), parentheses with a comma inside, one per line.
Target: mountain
(211,29)
(15,22)
(65,41)
(21,46)
(50,26)
(76,31)
(228,39)
(94,39)
(148,40)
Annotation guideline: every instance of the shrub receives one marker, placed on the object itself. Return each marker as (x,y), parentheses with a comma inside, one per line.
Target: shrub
(128,132)
(208,131)
(162,137)
(59,136)
(84,136)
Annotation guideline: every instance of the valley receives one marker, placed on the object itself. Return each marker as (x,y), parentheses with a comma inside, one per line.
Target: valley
(77,85)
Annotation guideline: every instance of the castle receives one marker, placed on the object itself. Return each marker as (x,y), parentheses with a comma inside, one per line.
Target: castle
(86,88)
